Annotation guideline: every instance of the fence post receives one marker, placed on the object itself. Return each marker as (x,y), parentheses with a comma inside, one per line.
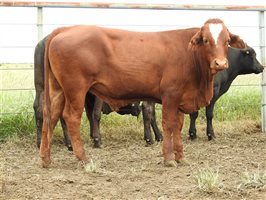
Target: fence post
(263,76)
(40,22)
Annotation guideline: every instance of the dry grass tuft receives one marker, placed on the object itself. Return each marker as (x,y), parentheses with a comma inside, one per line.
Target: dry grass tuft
(91,167)
(253,180)
(208,180)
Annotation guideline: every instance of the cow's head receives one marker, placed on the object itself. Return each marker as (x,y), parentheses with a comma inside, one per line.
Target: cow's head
(214,38)
(249,62)
(134,109)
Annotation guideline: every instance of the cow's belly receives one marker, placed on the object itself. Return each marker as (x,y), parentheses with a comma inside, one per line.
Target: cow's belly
(118,93)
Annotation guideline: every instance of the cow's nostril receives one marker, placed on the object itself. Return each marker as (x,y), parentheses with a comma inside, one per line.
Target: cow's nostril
(220,63)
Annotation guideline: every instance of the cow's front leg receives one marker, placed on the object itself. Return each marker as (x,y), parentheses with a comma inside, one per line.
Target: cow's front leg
(169,123)
(192,126)
(177,140)
(209,115)
(172,145)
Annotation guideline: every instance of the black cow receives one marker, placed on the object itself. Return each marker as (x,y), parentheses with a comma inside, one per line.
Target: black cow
(240,62)
(98,107)
(93,107)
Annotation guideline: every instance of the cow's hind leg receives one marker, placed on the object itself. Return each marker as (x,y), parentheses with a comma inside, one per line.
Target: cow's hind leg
(96,117)
(93,107)
(89,102)
(38,113)
(57,104)
(156,130)
(65,132)
(72,113)
(146,113)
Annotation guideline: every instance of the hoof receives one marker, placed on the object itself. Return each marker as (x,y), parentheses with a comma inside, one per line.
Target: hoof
(97,143)
(69,148)
(170,163)
(183,162)
(209,137)
(159,139)
(149,143)
(46,163)
(192,136)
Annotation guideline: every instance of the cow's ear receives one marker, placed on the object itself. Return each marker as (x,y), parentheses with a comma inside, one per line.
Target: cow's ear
(236,41)
(195,41)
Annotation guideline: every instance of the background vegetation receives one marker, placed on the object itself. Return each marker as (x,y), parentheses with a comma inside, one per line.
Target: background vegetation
(242,101)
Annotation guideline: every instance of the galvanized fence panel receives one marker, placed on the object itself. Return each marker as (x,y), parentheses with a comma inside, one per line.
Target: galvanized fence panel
(41,18)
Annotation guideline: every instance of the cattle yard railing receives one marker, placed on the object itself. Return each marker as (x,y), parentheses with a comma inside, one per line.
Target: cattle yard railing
(260,9)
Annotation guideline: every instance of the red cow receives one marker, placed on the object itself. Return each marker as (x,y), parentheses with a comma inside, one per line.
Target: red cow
(175,68)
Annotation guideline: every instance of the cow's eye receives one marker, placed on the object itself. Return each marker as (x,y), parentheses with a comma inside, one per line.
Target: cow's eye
(227,43)
(205,41)
(247,52)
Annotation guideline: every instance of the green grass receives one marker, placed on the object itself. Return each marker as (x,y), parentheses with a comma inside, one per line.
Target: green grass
(20,125)
(16,112)
(240,102)
(129,127)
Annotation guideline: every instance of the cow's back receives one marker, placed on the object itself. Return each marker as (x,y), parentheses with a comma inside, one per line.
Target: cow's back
(38,65)
(123,65)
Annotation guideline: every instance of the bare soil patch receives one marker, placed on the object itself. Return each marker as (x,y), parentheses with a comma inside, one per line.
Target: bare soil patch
(126,169)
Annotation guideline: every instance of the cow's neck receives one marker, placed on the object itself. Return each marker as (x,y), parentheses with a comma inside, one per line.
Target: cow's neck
(204,79)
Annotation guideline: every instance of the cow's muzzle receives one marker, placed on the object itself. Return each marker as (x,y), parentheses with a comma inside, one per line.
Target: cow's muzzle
(219,64)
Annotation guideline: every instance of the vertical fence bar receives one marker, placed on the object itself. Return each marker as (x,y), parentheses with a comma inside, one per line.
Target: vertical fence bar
(263,76)
(40,22)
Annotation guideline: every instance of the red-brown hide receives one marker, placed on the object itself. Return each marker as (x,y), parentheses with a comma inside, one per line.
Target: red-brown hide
(174,68)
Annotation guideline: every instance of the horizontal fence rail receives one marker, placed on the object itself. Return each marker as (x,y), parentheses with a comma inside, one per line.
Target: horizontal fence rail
(134,6)
(28,70)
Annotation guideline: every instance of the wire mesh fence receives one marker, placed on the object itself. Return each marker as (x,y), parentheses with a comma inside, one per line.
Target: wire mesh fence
(20,35)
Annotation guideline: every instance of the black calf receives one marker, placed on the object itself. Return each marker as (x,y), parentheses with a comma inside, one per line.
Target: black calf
(241,61)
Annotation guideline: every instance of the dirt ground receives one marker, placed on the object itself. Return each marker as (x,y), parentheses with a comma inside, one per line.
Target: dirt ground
(129,170)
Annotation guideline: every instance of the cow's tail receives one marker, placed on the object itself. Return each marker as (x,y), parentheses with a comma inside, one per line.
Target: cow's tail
(47,74)
(46,130)
(47,125)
